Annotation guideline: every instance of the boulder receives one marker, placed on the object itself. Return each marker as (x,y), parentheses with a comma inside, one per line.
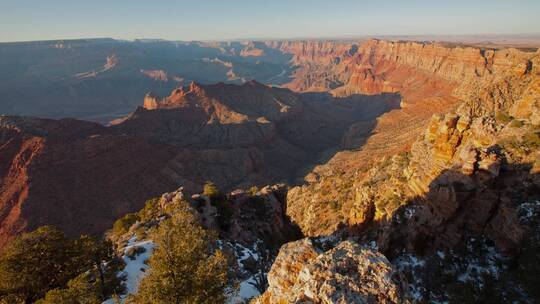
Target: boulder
(348,273)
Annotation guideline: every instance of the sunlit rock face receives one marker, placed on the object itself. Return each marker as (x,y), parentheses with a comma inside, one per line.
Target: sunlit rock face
(431,79)
(347,273)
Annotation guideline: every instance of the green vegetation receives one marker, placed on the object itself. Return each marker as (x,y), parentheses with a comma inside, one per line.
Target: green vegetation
(122,225)
(223,206)
(46,261)
(212,191)
(503,118)
(253,190)
(528,143)
(516,123)
(532,139)
(78,291)
(150,210)
(186,266)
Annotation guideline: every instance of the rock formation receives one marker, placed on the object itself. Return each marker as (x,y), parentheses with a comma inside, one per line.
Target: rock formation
(431,78)
(73,175)
(80,176)
(347,273)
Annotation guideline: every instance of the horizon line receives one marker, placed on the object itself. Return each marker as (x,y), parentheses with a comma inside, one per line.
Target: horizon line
(344,37)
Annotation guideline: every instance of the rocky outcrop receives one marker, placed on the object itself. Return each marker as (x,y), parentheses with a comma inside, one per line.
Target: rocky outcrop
(347,273)
(430,78)
(458,181)
(231,104)
(247,127)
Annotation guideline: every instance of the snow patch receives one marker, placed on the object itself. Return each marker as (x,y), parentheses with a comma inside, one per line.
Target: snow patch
(247,288)
(135,268)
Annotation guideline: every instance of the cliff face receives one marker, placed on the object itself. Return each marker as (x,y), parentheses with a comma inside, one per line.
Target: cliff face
(375,66)
(430,79)
(461,192)
(315,51)
(73,175)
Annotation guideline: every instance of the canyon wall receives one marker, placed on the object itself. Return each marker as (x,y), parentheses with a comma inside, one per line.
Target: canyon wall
(431,79)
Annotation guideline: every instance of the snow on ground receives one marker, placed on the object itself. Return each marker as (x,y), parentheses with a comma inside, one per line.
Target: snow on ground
(528,210)
(135,269)
(478,267)
(472,267)
(412,264)
(247,290)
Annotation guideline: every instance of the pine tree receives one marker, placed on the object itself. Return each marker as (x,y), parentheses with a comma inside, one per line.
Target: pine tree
(102,263)
(79,291)
(35,263)
(45,260)
(186,266)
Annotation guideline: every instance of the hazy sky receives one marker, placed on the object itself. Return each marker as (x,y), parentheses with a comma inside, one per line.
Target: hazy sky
(22,20)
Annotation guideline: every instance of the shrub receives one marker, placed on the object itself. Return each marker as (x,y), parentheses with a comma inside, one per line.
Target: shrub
(219,200)
(503,118)
(37,262)
(531,139)
(211,191)
(225,213)
(79,290)
(253,191)
(516,123)
(122,224)
(150,210)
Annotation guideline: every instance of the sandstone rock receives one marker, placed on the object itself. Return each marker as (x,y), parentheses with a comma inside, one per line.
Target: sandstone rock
(347,273)
(468,157)
(97,178)
(284,273)
(363,209)
(463,123)
(490,162)
(433,127)
(151,101)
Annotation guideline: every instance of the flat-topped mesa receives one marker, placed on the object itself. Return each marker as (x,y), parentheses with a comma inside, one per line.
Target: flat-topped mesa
(315,51)
(451,63)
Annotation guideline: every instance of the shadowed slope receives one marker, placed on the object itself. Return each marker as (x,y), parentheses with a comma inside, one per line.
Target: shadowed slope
(80,176)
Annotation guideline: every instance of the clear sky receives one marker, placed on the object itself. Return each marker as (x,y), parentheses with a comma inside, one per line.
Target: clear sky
(22,20)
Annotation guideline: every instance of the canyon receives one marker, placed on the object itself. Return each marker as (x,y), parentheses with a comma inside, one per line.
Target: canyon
(81,176)
(412,155)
